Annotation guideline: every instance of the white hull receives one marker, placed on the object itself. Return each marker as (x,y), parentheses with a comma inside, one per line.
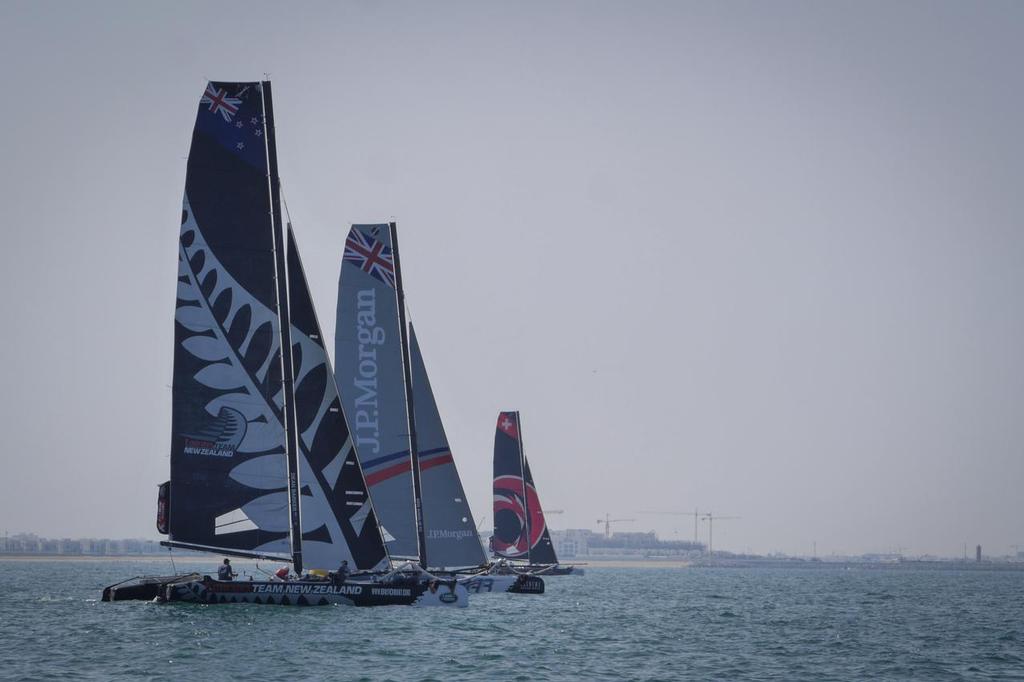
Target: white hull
(488,584)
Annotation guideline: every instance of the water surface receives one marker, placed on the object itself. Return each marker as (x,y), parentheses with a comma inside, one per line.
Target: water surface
(637,624)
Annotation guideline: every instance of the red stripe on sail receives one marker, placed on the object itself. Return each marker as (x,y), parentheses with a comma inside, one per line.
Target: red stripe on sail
(389,472)
(436,461)
(403,466)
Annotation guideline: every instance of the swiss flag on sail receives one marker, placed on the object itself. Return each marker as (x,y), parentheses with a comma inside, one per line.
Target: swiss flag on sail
(507,424)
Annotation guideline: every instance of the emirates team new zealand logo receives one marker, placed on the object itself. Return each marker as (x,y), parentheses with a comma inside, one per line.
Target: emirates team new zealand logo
(220,438)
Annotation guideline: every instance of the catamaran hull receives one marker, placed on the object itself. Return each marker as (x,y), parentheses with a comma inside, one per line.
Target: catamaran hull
(296,593)
(492,584)
(146,588)
(300,593)
(557,569)
(544,570)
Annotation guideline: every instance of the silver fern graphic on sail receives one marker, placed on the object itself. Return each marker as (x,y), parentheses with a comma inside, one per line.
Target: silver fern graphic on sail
(316,509)
(235,338)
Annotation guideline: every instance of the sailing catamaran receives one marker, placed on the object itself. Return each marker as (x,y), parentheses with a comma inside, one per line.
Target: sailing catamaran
(520,530)
(262,464)
(397,429)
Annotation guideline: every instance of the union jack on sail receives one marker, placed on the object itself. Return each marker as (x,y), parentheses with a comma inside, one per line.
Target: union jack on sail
(219,102)
(372,256)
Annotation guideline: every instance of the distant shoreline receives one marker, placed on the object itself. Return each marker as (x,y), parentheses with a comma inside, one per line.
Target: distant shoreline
(585,563)
(214,558)
(104,557)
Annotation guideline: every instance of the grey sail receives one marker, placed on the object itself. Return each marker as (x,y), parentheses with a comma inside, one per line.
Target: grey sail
(369,376)
(452,538)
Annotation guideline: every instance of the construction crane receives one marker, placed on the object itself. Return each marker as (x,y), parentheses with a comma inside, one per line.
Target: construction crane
(607,521)
(695,514)
(711,518)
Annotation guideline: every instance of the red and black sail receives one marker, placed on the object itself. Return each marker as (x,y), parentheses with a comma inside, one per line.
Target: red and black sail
(520,530)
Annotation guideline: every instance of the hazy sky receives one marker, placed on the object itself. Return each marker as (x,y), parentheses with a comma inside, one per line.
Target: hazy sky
(759,258)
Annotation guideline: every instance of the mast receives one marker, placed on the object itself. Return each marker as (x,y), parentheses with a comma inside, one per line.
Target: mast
(526,497)
(414,455)
(284,318)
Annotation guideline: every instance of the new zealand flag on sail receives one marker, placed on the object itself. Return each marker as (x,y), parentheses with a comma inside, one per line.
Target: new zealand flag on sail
(232,114)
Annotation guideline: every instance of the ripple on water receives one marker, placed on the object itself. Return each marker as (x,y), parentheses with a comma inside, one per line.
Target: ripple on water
(612,624)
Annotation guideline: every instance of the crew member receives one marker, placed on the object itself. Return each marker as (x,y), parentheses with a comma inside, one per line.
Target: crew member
(341,575)
(224,571)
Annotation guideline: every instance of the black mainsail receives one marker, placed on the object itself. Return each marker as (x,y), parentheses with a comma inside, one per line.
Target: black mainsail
(261,460)
(228,466)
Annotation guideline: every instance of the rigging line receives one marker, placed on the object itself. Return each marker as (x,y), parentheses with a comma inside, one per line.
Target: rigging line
(266,573)
(284,200)
(288,413)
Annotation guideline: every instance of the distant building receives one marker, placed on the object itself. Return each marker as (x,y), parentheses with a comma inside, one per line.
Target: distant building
(571,543)
(69,546)
(27,543)
(580,542)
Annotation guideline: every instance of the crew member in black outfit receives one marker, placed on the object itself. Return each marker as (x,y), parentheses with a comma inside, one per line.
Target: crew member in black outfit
(341,575)
(224,571)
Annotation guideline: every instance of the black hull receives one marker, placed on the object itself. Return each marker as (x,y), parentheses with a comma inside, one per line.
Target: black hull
(142,591)
(205,590)
(528,584)
(146,588)
(556,569)
(538,569)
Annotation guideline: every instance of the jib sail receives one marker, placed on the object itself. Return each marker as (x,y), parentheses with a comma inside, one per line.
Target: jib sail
(338,520)
(452,538)
(541,549)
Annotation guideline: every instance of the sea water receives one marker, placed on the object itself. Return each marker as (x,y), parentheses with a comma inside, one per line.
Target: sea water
(611,624)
